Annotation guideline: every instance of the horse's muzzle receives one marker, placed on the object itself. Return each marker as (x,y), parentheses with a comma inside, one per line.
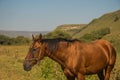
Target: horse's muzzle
(27,67)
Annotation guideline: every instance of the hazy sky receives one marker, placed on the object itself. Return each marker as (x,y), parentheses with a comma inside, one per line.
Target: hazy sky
(46,15)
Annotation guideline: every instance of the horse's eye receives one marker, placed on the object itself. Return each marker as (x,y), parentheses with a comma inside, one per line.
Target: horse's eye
(34,49)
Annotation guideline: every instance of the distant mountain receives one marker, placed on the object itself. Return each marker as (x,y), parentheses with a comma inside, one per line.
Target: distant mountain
(21,33)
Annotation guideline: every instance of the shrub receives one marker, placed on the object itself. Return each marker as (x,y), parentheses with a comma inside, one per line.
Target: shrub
(95,34)
(21,40)
(4,40)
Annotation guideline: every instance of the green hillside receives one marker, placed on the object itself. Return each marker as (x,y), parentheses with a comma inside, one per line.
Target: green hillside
(110,21)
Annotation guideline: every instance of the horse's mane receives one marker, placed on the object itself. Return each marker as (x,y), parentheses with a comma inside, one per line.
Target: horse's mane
(53,44)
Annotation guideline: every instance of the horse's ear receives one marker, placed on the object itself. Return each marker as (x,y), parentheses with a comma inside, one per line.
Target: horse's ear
(40,37)
(33,38)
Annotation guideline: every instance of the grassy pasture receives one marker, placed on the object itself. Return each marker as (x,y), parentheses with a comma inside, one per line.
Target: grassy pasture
(11,67)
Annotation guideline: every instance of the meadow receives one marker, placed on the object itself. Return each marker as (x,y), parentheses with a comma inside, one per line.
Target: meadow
(11,66)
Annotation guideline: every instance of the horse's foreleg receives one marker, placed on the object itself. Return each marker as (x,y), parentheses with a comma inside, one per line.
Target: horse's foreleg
(80,76)
(68,74)
(70,77)
(108,71)
(101,75)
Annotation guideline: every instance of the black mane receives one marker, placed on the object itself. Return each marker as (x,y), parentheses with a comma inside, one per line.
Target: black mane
(53,44)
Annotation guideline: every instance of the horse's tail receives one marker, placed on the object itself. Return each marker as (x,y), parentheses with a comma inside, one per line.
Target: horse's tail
(112,56)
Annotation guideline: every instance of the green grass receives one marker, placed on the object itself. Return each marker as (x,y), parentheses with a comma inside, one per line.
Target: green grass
(11,67)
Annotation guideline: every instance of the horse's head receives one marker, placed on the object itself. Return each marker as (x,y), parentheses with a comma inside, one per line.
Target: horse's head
(36,52)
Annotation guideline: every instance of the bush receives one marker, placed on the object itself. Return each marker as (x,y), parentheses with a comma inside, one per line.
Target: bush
(21,40)
(95,34)
(58,34)
(4,40)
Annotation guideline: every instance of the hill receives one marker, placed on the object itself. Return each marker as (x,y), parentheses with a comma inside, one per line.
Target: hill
(110,21)
(65,31)
(70,28)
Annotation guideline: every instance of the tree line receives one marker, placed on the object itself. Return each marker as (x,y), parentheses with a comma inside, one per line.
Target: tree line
(19,40)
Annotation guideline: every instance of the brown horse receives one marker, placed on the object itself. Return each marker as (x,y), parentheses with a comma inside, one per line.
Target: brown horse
(76,58)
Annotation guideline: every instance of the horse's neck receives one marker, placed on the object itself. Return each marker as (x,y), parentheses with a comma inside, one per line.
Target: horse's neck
(55,58)
(60,55)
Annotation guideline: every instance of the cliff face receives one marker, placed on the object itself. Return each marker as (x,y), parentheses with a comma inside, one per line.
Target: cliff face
(71,29)
(67,27)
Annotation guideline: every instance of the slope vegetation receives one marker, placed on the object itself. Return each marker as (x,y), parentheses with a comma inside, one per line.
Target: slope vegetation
(109,20)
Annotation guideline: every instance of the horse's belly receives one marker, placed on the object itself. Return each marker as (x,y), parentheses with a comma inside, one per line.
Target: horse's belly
(93,69)
(96,64)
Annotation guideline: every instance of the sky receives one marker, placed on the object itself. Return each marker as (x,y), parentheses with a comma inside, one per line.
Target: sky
(46,15)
